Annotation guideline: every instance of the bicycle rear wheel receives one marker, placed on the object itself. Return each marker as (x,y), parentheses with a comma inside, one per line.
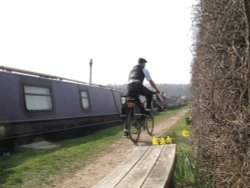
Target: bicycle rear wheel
(134,128)
(150,125)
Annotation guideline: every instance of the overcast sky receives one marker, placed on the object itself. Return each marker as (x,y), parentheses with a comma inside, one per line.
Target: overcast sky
(59,37)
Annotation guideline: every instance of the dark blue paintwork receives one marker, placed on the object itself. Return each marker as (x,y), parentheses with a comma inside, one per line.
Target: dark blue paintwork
(105,103)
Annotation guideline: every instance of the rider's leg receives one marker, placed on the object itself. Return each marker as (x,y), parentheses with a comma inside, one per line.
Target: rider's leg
(136,89)
(125,130)
(139,104)
(148,94)
(125,133)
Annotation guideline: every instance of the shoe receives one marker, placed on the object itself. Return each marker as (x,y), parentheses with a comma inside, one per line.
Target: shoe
(125,134)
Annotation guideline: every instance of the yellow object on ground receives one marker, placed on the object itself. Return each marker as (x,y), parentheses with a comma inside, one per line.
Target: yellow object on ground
(162,141)
(168,140)
(155,141)
(185,133)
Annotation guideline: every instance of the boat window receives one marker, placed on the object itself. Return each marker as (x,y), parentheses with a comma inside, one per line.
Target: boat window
(37,98)
(85,100)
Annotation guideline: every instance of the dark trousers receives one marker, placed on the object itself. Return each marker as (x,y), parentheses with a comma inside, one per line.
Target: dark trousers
(136,89)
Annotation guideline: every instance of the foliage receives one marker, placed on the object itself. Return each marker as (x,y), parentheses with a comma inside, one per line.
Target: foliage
(221,92)
(187,173)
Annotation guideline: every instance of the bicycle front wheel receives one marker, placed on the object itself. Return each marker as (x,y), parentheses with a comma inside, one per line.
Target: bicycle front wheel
(150,125)
(134,128)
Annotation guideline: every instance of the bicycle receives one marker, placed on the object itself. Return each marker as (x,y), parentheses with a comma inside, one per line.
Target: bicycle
(135,120)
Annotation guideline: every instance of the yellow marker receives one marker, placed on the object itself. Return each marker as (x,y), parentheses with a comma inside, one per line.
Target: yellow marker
(155,141)
(185,133)
(162,141)
(168,140)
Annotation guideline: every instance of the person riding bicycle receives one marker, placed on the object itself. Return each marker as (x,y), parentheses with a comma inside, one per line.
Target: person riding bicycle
(135,85)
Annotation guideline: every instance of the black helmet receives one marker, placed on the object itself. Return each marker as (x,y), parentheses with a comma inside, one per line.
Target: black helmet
(142,60)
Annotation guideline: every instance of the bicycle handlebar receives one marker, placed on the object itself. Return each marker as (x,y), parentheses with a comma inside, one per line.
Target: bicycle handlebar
(158,94)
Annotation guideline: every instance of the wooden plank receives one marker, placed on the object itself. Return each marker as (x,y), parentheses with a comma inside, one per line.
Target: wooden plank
(147,166)
(123,169)
(163,169)
(139,173)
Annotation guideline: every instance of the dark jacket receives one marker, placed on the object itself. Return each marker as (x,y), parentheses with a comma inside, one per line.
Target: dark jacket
(136,74)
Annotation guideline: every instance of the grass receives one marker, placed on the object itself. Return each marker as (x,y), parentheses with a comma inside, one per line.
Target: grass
(30,167)
(186,173)
(162,116)
(40,168)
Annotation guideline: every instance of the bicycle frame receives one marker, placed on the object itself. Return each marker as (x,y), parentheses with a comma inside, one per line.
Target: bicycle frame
(134,122)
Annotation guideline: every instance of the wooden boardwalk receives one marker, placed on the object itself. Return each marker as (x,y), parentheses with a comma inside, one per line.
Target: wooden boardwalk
(146,167)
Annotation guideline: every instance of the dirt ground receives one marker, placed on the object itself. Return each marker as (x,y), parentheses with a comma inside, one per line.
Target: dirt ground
(105,163)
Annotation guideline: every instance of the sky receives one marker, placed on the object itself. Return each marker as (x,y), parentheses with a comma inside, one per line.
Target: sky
(59,37)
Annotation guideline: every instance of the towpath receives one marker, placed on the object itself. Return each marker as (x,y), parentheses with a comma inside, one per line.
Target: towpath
(105,163)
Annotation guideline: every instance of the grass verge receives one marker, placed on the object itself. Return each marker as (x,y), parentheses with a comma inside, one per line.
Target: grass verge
(40,168)
(186,174)
(35,168)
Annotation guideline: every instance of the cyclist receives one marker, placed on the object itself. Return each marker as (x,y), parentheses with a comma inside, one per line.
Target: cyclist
(135,85)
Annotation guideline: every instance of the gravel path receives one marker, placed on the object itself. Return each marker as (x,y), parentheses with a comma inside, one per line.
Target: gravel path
(103,164)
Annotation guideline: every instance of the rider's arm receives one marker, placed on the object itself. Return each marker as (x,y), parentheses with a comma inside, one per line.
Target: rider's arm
(146,74)
(154,86)
(149,79)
